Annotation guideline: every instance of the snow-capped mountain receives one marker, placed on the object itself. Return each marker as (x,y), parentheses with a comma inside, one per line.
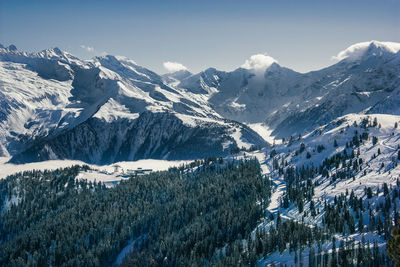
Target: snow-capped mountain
(176,77)
(336,172)
(366,83)
(54,105)
(205,82)
(366,79)
(107,108)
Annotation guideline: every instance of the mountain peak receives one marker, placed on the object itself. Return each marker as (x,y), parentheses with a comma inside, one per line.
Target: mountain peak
(53,52)
(57,50)
(273,67)
(179,75)
(362,50)
(12,47)
(56,53)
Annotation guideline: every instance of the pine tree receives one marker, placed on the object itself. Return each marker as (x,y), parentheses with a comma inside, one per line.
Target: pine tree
(342,254)
(393,246)
(375,122)
(319,255)
(374,140)
(326,260)
(335,144)
(311,257)
(334,262)
(361,222)
(369,192)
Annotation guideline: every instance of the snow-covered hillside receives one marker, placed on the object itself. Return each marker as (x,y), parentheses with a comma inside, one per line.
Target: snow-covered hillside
(352,156)
(55,106)
(379,160)
(107,109)
(365,80)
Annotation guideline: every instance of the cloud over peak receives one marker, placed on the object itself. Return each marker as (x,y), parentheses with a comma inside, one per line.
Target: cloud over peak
(87,48)
(259,62)
(356,51)
(173,66)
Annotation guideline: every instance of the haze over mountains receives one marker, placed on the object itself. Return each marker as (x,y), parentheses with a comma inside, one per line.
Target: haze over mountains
(108,109)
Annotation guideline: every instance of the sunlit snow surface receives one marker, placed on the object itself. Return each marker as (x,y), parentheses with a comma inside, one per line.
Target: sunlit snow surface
(264,131)
(47,94)
(104,173)
(342,130)
(356,51)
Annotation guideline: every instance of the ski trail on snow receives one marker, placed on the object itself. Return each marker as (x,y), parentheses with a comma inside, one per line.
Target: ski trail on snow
(278,184)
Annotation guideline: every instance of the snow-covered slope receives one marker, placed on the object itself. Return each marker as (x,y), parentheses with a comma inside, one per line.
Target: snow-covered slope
(107,108)
(367,80)
(32,107)
(379,159)
(51,95)
(176,77)
(372,143)
(205,82)
(369,83)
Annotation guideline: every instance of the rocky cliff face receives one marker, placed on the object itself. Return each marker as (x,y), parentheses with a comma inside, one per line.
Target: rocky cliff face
(151,135)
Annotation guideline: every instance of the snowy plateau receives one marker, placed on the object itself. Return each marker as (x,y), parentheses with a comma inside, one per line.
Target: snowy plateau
(330,135)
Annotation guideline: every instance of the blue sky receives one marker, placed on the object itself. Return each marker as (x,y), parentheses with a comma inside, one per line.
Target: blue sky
(302,35)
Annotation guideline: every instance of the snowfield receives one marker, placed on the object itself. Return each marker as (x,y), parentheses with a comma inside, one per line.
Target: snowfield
(104,173)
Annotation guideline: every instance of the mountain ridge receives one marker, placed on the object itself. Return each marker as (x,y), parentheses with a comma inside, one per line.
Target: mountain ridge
(106,89)
(59,92)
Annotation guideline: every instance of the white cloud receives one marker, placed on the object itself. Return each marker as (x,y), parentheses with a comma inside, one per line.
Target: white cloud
(356,51)
(93,51)
(173,66)
(90,49)
(259,62)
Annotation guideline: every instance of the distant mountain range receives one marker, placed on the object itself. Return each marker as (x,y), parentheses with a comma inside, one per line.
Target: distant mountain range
(108,109)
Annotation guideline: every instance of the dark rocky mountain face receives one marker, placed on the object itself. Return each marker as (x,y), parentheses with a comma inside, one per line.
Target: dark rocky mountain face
(152,135)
